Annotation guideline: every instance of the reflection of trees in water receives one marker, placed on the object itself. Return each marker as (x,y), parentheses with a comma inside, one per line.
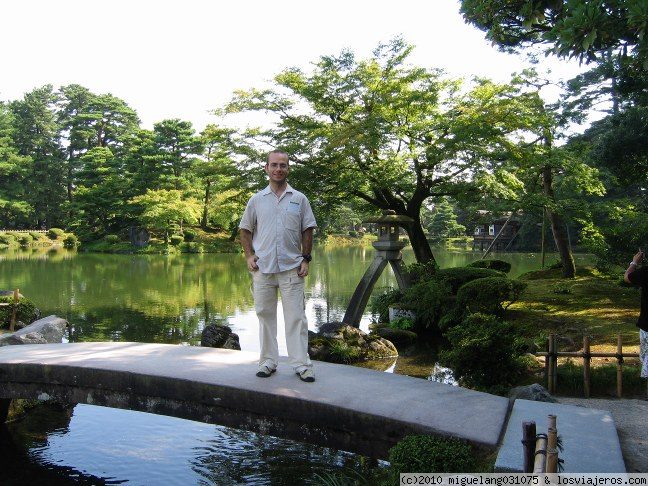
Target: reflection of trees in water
(236,456)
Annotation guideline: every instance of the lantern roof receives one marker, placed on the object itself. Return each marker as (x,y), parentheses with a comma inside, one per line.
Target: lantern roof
(390,217)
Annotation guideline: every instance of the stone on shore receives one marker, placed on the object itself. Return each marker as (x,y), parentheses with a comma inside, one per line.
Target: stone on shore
(218,336)
(49,329)
(340,343)
(535,392)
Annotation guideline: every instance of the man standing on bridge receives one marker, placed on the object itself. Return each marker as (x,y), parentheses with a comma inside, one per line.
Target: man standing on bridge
(277,237)
(639,276)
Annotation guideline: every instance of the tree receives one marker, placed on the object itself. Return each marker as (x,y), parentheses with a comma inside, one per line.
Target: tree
(388,133)
(36,135)
(444,221)
(177,147)
(166,210)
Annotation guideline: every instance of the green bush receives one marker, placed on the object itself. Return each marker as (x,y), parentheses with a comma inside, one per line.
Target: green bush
(7,239)
(428,300)
(25,239)
(112,239)
(176,240)
(190,235)
(490,295)
(380,304)
(484,354)
(26,312)
(55,233)
(421,272)
(35,235)
(459,276)
(426,453)
(404,323)
(499,265)
(70,241)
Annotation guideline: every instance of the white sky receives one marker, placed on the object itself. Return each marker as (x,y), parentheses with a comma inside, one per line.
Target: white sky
(180,59)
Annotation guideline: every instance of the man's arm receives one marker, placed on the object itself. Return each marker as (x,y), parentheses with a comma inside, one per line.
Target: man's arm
(633,266)
(246,243)
(307,246)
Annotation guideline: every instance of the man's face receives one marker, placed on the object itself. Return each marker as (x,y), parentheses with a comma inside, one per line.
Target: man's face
(277,167)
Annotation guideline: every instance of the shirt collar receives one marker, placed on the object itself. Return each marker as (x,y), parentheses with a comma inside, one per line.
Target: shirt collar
(267,190)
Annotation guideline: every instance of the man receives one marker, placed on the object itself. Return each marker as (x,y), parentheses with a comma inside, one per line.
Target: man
(639,276)
(277,236)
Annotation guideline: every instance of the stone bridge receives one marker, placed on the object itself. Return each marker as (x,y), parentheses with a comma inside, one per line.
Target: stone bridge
(347,408)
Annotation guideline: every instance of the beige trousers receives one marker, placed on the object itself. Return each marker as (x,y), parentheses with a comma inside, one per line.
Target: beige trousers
(291,286)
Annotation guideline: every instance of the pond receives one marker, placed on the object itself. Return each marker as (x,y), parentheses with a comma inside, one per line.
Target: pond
(169,299)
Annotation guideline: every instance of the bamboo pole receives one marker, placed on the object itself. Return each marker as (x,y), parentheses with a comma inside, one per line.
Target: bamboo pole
(14,311)
(619,366)
(552,450)
(579,354)
(528,443)
(554,361)
(540,454)
(587,360)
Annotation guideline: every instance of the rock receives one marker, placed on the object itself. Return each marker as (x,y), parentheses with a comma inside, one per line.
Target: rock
(397,336)
(535,392)
(218,336)
(49,329)
(339,343)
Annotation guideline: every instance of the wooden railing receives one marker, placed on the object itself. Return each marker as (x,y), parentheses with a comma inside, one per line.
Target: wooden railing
(14,311)
(22,231)
(551,363)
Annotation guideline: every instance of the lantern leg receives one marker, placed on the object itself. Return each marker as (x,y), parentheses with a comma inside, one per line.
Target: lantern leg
(402,278)
(362,292)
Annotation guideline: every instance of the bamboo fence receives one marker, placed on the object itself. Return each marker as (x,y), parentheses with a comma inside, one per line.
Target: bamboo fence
(540,450)
(551,363)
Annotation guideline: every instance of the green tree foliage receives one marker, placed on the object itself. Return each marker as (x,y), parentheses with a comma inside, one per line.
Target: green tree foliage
(417,453)
(386,132)
(165,211)
(444,221)
(177,147)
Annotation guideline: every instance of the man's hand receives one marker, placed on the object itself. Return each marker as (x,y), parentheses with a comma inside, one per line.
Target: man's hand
(251,263)
(638,257)
(303,269)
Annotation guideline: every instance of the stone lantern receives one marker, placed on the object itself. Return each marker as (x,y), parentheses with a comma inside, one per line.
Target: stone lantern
(388,250)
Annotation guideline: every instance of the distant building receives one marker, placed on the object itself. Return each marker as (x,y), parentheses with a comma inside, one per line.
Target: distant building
(485,234)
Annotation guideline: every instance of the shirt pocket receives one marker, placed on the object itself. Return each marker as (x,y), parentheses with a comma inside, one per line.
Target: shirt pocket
(292,221)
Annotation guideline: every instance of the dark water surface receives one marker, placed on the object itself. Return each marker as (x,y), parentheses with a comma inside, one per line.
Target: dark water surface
(169,299)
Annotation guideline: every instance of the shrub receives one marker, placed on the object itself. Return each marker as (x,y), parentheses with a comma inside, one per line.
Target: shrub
(404,323)
(490,295)
(176,240)
(36,236)
(484,354)
(353,234)
(380,304)
(428,300)
(421,272)
(425,453)
(70,241)
(459,276)
(25,239)
(112,239)
(55,233)
(7,239)
(342,352)
(26,312)
(499,265)
(190,235)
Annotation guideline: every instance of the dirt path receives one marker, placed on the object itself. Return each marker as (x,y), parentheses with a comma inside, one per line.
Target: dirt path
(631,419)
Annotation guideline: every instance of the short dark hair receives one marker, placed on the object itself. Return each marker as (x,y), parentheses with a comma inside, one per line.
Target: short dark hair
(281,152)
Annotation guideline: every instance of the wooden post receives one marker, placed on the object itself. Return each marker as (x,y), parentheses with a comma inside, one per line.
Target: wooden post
(14,311)
(619,366)
(528,444)
(549,364)
(587,359)
(4,409)
(552,450)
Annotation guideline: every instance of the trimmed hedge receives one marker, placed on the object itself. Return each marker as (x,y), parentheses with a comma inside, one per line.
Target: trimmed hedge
(499,265)
(426,453)
(26,312)
(459,276)
(428,300)
(55,233)
(489,295)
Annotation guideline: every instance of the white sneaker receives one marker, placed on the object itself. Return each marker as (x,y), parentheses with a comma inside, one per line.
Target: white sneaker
(265,371)
(307,375)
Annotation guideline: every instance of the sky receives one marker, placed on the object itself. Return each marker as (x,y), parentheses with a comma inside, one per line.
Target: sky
(181,59)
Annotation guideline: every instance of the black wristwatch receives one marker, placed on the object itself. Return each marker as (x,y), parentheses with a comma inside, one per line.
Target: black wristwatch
(307,257)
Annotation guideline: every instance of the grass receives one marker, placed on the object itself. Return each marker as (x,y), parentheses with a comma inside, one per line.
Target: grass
(592,304)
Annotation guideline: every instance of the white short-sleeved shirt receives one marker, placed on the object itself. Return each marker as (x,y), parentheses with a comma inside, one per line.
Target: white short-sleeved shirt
(277,224)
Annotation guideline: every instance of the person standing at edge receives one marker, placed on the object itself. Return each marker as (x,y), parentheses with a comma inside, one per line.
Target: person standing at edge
(277,237)
(639,276)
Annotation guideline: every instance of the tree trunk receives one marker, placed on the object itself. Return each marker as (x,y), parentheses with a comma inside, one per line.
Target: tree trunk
(203,223)
(419,242)
(558,227)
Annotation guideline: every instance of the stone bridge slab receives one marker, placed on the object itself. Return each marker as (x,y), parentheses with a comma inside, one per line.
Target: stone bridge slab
(349,408)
